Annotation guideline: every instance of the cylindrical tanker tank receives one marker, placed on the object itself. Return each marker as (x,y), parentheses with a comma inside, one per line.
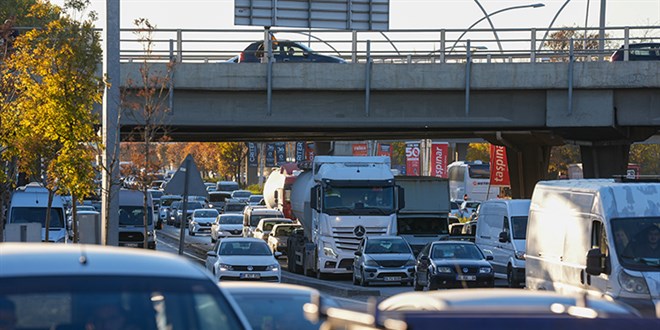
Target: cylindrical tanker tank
(300,197)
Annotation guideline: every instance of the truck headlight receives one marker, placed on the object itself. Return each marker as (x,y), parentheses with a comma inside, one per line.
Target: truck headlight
(329,252)
(633,284)
(443,270)
(226,267)
(520,255)
(485,270)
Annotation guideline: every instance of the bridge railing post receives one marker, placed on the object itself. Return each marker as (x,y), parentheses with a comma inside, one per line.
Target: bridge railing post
(354,47)
(532,54)
(179,45)
(442,45)
(626,44)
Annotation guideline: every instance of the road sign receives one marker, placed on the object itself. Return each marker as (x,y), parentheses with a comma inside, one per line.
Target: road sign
(363,15)
(196,185)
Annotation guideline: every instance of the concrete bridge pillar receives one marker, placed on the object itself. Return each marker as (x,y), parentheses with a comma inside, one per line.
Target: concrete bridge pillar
(604,161)
(528,164)
(460,151)
(323,148)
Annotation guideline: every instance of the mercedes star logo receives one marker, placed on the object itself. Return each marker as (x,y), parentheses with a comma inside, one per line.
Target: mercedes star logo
(465,270)
(359,231)
(250,268)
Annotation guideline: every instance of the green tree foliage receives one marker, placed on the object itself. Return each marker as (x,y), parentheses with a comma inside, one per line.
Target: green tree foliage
(478,151)
(560,158)
(54,69)
(231,156)
(647,156)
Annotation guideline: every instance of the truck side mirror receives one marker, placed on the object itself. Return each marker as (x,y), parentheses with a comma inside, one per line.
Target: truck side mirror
(504,237)
(358,253)
(314,198)
(401,197)
(595,262)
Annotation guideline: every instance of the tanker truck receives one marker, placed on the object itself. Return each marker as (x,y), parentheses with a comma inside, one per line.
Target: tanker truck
(277,189)
(339,200)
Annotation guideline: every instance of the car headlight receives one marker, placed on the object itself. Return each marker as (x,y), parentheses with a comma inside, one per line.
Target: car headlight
(411,262)
(274,267)
(281,243)
(485,270)
(520,255)
(443,269)
(329,252)
(370,262)
(633,284)
(226,267)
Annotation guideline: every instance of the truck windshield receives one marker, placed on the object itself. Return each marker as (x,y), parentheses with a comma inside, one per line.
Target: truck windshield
(422,226)
(133,216)
(37,214)
(375,200)
(637,242)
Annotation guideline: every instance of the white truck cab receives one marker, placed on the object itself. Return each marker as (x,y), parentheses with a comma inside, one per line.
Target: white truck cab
(29,204)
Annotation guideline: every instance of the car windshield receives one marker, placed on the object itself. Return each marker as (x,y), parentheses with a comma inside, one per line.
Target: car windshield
(255,218)
(251,248)
(133,216)
(241,194)
(169,201)
(255,198)
(519,227)
(89,302)
(194,205)
(220,197)
(270,224)
(206,213)
(378,246)
(284,230)
(374,200)
(269,311)
(456,251)
(234,207)
(156,193)
(38,215)
(231,219)
(471,205)
(637,242)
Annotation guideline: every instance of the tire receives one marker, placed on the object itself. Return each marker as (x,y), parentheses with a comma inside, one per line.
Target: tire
(191,232)
(415,284)
(355,280)
(429,284)
(510,278)
(363,280)
(213,240)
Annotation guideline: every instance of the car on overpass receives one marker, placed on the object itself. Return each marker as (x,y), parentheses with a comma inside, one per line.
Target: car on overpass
(285,51)
(645,51)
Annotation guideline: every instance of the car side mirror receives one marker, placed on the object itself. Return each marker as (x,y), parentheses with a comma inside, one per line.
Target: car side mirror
(504,237)
(595,265)
(211,254)
(358,253)
(489,257)
(305,53)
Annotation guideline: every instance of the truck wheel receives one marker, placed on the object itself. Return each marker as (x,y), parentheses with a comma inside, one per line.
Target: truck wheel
(510,278)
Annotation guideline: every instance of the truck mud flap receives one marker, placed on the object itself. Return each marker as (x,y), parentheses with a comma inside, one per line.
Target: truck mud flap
(310,257)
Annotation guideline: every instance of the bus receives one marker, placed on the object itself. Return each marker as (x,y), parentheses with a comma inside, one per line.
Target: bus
(471,178)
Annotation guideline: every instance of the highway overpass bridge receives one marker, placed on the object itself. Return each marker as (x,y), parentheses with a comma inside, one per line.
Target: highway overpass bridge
(528,107)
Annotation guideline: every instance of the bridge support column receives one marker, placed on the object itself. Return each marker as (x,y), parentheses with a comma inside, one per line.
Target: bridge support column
(604,161)
(528,164)
(323,148)
(460,151)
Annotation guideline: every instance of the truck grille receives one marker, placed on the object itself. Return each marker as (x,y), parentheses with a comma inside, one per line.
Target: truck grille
(131,237)
(345,238)
(391,263)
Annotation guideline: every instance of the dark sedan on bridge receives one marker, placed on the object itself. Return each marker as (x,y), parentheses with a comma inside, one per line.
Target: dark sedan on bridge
(285,51)
(646,51)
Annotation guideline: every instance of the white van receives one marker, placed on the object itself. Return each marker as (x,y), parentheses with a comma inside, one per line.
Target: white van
(29,204)
(252,216)
(131,219)
(501,230)
(596,237)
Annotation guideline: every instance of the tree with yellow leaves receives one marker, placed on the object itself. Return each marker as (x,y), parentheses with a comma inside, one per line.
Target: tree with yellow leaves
(53,69)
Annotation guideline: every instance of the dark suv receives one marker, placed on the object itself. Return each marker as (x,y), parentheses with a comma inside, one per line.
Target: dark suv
(285,51)
(648,51)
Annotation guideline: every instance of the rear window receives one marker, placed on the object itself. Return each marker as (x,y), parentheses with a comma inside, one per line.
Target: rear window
(89,302)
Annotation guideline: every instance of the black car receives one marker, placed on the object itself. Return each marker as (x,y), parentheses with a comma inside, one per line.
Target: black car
(285,51)
(453,264)
(646,51)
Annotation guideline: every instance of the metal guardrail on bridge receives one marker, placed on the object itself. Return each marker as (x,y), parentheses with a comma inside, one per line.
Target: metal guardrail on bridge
(396,46)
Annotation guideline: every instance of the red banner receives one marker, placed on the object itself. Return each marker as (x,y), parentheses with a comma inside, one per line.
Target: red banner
(439,159)
(499,166)
(360,149)
(384,150)
(309,152)
(412,159)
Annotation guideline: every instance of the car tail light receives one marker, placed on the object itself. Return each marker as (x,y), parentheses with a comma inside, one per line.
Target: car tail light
(241,57)
(616,57)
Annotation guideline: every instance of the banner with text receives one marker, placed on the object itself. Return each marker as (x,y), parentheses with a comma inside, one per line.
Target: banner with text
(270,155)
(439,152)
(499,166)
(412,158)
(280,153)
(384,149)
(310,151)
(300,151)
(253,154)
(360,149)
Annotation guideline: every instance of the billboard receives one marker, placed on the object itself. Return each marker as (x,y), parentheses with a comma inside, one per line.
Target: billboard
(412,158)
(360,149)
(439,152)
(384,149)
(363,15)
(499,166)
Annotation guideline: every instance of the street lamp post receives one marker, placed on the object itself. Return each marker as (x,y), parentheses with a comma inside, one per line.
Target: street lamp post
(535,5)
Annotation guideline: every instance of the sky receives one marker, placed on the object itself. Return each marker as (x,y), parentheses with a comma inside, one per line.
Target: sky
(404,14)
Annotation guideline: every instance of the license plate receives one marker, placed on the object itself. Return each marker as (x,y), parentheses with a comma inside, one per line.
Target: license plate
(131,244)
(392,278)
(466,277)
(250,276)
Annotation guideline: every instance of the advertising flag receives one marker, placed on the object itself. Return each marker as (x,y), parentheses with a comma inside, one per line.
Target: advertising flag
(384,149)
(360,149)
(300,151)
(280,153)
(253,154)
(310,151)
(412,158)
(439,152)
(499,167)
(270,154)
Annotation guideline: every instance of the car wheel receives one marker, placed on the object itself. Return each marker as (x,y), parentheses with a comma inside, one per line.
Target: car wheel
(191,232)
(213,240)
(510,278)
(355,280)
(429,284)
(416,285)
(363,279)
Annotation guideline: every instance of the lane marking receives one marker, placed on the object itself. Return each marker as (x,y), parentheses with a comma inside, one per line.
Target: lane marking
(184,252)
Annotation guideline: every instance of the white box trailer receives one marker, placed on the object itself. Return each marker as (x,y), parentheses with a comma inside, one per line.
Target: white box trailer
(597,237)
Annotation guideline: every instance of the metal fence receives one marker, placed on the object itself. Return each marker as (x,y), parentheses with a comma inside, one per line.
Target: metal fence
(396,46)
